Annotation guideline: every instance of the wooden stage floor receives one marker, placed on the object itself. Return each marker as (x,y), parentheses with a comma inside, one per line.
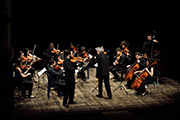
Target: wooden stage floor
(87,100)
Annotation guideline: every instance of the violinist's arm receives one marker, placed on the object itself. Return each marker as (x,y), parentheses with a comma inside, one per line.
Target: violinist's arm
(21,73)
(27,70)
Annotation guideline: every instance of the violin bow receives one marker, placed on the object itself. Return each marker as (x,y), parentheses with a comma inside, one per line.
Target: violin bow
(57,46)
(34,49)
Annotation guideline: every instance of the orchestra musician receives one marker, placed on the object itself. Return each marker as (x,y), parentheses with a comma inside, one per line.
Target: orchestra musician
(148,80)
(48,52)
(30,60)
(140,60)
(56,77)
(148,46)
(23,78)
(83,65)
(74,49)
(118,65)
(69,79)
(102,72)
(125,50)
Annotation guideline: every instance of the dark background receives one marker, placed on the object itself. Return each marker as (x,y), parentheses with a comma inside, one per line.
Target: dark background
(41,23)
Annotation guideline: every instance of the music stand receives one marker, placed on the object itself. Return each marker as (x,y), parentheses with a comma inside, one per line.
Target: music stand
(41,72)
(121,86)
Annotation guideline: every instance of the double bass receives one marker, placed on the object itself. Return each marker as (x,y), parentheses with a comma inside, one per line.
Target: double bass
(137,82)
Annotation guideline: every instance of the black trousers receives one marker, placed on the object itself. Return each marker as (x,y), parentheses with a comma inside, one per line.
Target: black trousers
(115,69)
(142,88)
(69,89)
(27,85)
(107,85)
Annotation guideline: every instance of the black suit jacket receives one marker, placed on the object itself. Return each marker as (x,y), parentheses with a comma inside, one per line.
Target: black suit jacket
(103,65)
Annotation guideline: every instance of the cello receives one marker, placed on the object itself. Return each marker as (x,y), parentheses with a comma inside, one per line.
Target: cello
(131,71)
(137,82)
(134,68)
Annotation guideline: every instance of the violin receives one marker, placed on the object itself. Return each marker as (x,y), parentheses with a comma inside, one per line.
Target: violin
(57,51)
(126,51)
(85,55)
(117,59)
(74,49)
(59,64)
(131,71)
(23,63)
(56,67)
(137,82)
(76,59)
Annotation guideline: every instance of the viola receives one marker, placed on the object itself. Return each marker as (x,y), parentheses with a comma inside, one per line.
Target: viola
(131,71)
(137,82)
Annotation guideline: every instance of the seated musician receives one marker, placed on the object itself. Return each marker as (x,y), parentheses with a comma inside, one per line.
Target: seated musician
(118,65)
(23,79)
(56,76)
(140,60)
(149,80)
(85,58)
(30,60)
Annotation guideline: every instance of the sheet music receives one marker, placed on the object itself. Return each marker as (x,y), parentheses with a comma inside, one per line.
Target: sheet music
(42,71)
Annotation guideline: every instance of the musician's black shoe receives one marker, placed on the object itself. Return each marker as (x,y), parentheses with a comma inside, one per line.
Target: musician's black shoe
(84,79)
(99,96)
(72,102)
(65,105)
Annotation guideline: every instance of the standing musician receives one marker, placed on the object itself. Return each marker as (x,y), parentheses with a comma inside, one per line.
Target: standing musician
(102,72)
(148,72)
(118,65)
(49,53)
(69,79)
(74,49)
(148,46)
(125,50)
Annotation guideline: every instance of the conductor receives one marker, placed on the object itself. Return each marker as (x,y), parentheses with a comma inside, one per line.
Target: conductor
(102,72)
